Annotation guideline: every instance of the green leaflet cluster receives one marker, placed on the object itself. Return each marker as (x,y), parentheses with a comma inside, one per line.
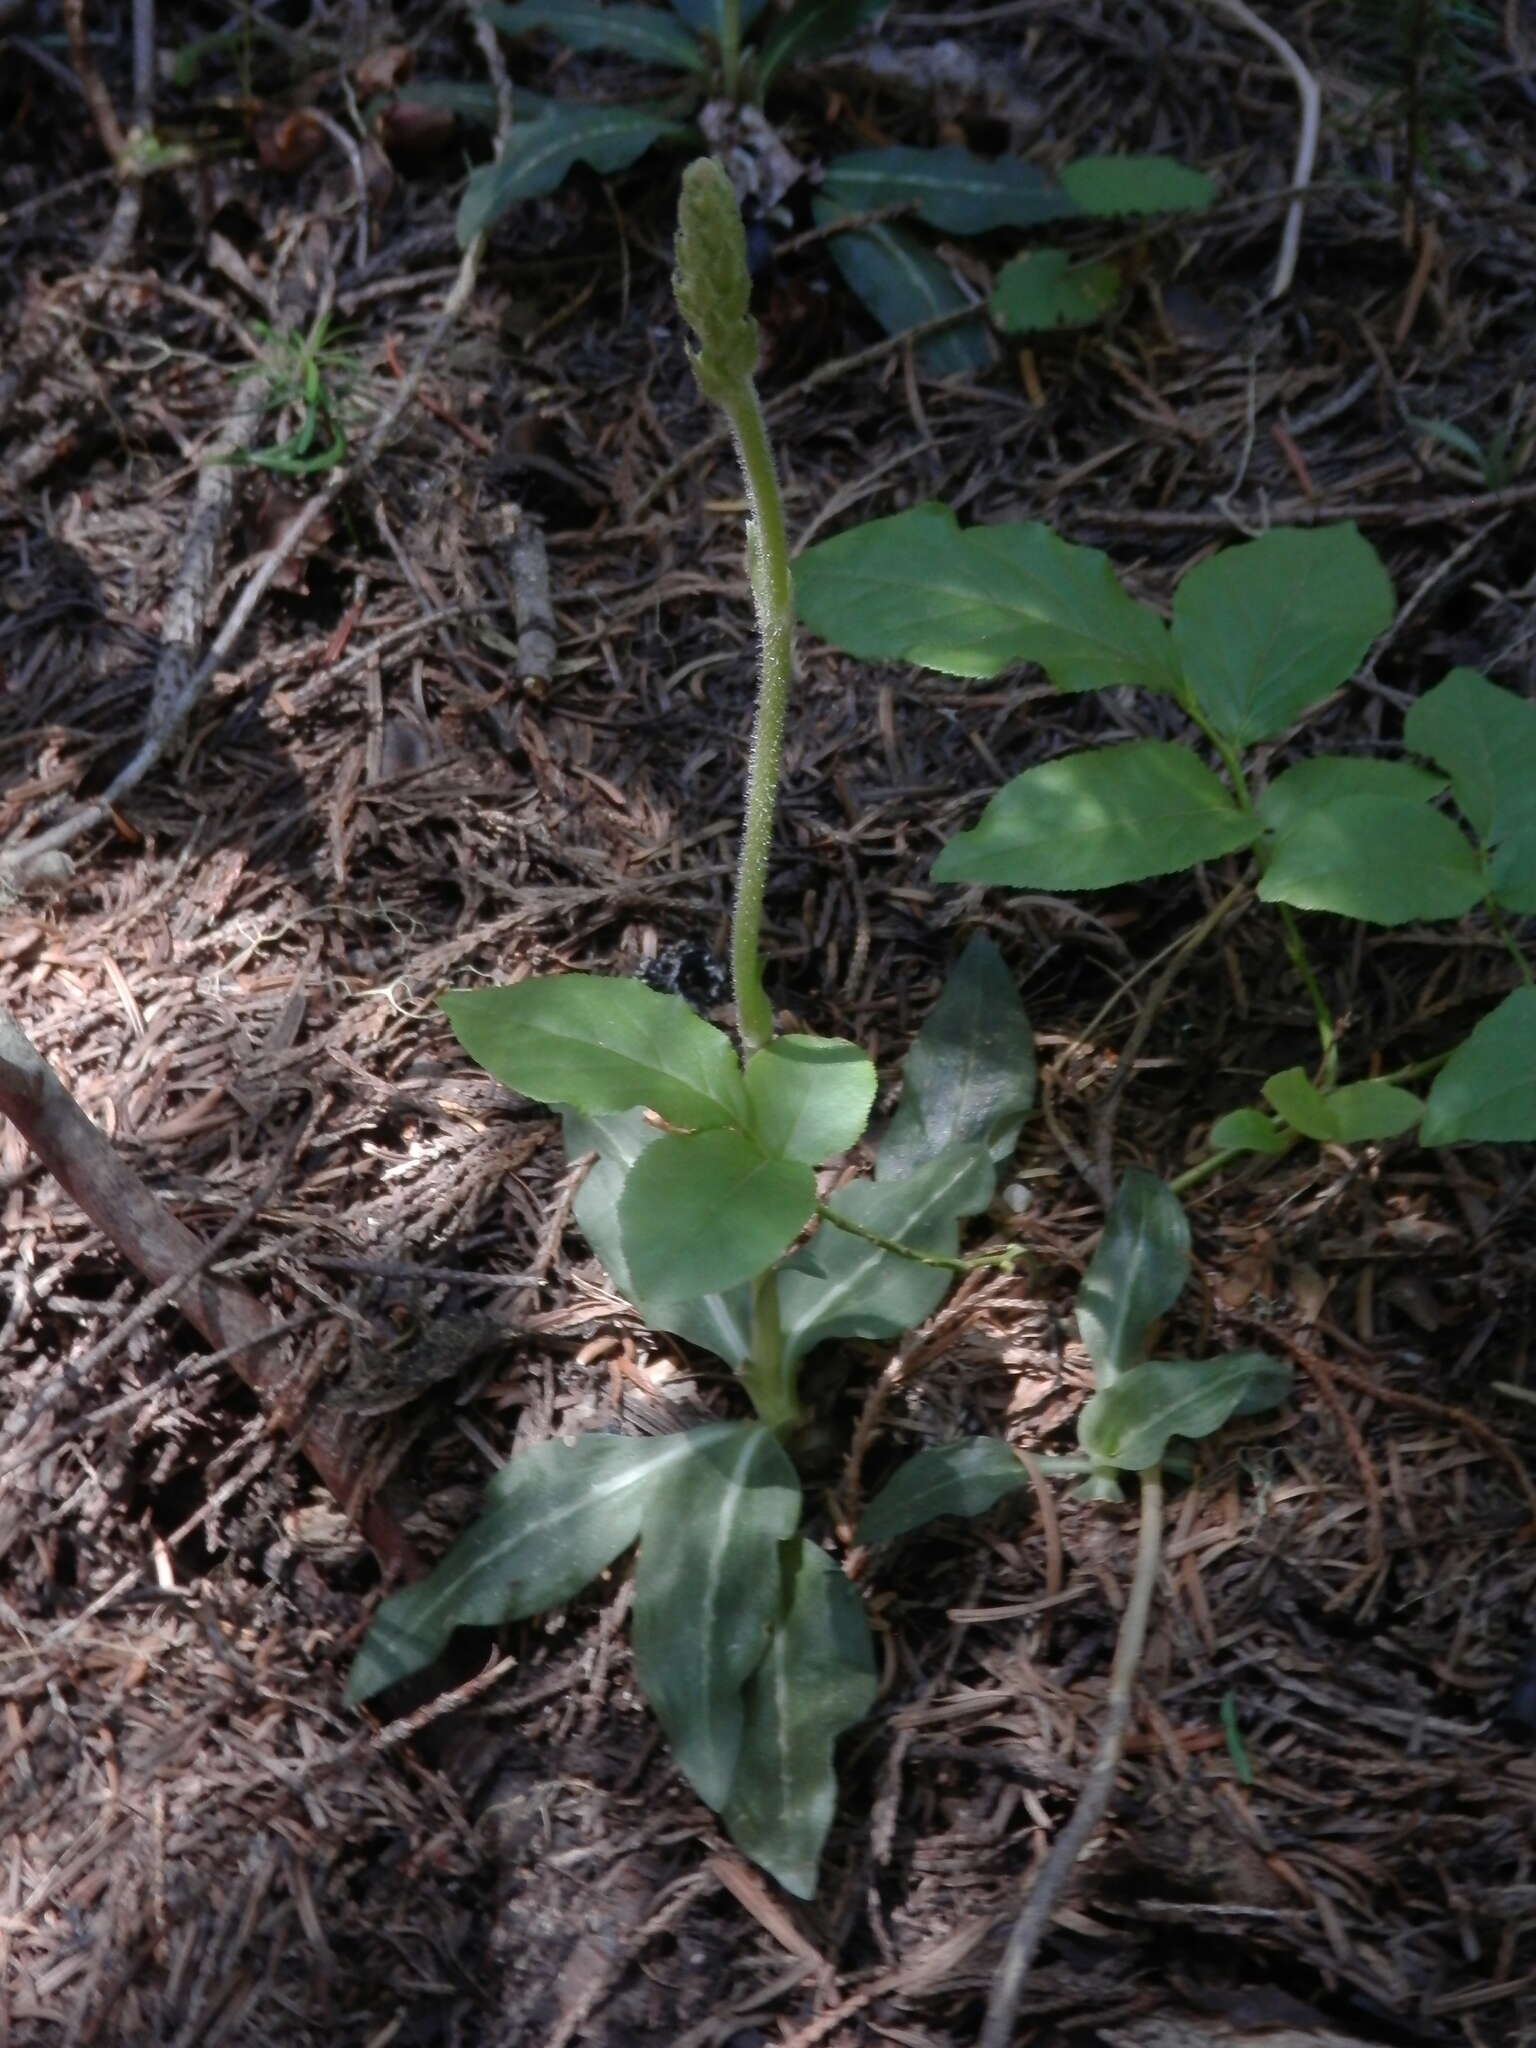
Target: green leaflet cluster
(1261,634)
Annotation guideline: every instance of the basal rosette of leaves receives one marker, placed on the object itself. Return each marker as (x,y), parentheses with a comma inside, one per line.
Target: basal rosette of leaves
(1261,634)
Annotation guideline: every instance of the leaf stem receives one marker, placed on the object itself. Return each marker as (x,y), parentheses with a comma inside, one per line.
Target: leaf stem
(1300,959)
(771,1383)
(1005,1260)
(1045,1894)
(1501,926)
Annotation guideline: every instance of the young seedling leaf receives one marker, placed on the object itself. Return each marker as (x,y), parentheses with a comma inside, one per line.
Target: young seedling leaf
(809,1098)
(1486,1091)
(848,1287)
(707,1592)
(809,30)
(648,34)
(950,188)
(1091,821)
(721,1323)
(970,602)
(539,155)
(597,1044)
(1135,1276)
(1355,1114)
(700,1214)
(969,1078)
(1485,737)
(1046,289)
(1248,1130)
(1376,858)
(555,1517)
(949,1479)
(903,284)
(1329,779)
(1129,1425)
(1120,185)
(817,1679)
(1266,629)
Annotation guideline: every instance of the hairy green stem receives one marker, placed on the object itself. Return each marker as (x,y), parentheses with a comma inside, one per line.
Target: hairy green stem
(1046,1893)
(771,1382)
(1005,1260)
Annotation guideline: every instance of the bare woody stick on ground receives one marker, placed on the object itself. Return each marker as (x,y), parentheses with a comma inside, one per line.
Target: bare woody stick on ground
(80,1158)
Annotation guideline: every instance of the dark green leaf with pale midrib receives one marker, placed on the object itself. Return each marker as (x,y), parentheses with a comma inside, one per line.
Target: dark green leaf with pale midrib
(964,1478)
(1135,1276)
(969,1078)
(1128,1426)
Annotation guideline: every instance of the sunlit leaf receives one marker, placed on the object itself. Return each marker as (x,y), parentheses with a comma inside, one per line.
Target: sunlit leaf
(809,1098)
(1046,289)
(1266,629)
(817,1678)
(950,187)
(1090,821)
(1135,1276)
(707,1592)
(1487,1088)
(700,1214)
(1330,779)
(971,601)
(1376,858)
(969,1078)
(1116,185)
(555,1517)
(903,283)
(965,1478)
(1128,1426)
(649,34)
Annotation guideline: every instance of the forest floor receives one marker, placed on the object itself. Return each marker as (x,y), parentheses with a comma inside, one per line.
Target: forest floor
(1326,1824)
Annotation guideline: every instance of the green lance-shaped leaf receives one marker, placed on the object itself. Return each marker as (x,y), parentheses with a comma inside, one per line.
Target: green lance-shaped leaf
(471,100)
(972,601)
(1090,821)
(649,34)
(1352,1115)
(1328,780)
(817,1679)
(594,1044)
(707,1593)
(950,188)
(843,1286)
(903,283)
(949,1479)
(540,154)
(1485,737)
(711,282)
(809,30)
(704,15)
(555,1517)
(1248,1130)
(1486,1091)
(969,1078)
(1135,1276)
(1128,1426)
(721,1323)
(1122,185)
(1046,289)
(1269,628)
(700,1214)
(809,1098)
(1376,858)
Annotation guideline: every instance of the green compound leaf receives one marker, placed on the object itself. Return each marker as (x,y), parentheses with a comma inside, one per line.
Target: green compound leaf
(949,1479)
(1118,185)
(969,602)
(555,1517)
(707,1592)
(1353,1115)
(969,1078)
(646,33)
(951,189)
(1485,737)
(539,155)
(809,30)
(1269,628)
(1135,1276)
(1376,858)
(1129,1425)
(1091,821)
(903,283)
(1046,289)
(843,1286)
(700,1214)
(817,1679)
(1248,1130)
(809,1097)
(1487,1088)
(1329,779)
(597,1044)
(721,1323)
